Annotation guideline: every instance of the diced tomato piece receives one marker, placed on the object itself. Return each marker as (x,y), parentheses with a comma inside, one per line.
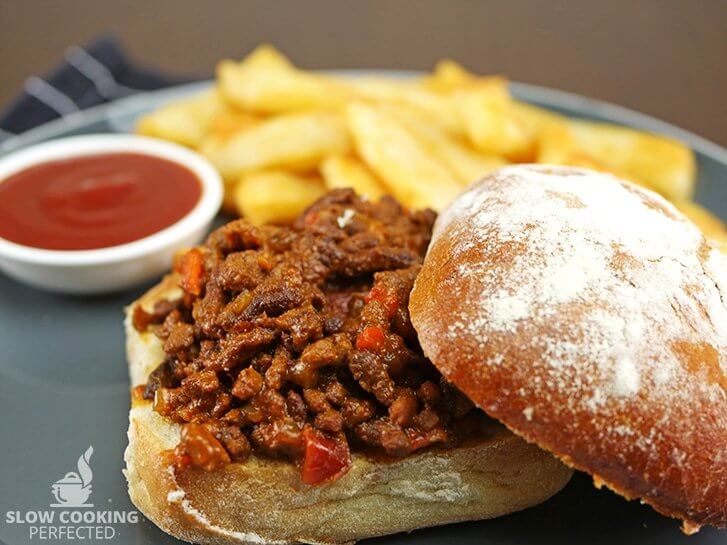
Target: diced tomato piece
(371,338)
(191,270)
(385,297)
(375,294)
(198,447)
(310,218)
(137,392)
(325,459)
(391,303)
(182,461)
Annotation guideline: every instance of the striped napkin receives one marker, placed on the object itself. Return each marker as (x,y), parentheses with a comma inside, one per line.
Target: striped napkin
(88,75)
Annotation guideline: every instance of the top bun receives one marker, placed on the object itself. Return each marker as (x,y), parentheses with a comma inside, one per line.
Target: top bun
(590,317)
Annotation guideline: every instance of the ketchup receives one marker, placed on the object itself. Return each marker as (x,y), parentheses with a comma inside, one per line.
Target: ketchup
(96,201)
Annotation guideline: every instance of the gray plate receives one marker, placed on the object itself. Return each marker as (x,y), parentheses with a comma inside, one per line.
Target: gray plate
(63,387)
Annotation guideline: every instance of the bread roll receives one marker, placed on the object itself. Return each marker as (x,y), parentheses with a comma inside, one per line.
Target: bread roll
(263,501)
(590,317)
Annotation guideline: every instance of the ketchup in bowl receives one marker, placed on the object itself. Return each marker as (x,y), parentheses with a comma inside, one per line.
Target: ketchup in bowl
(95,201)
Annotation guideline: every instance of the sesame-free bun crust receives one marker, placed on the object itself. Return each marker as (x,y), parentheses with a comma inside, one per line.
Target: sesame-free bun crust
(263,501)
(590,317)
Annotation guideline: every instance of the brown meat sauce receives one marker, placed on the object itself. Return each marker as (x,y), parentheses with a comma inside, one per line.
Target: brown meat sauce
(296,342)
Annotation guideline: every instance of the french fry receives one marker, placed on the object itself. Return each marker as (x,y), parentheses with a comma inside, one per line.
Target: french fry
(656,162)
(464,163)
(273,87)
(221,130)
(183,121)
(438,109)
(419,139)
(295,141)
(448,76)
(229,123)
(664,164)
(711,226)
(266,56)
(275,196)
(535,118)
(229,199)
(557,145)
(402,163)
(487,113)
(344,171)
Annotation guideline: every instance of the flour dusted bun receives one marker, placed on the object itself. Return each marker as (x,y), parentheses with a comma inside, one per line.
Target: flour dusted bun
(590,317)
(262,501)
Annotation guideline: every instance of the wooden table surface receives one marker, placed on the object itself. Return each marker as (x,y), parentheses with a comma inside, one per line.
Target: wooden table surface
(667,58)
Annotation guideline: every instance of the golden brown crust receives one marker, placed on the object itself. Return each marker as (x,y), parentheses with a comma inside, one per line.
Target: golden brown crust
(605,345)
(263,500)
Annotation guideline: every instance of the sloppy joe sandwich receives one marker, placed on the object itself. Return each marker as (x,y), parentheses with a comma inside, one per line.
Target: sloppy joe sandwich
(368,371)
(280,393)
(590,317)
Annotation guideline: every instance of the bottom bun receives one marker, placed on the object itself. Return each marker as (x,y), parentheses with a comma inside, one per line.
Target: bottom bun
(263,500)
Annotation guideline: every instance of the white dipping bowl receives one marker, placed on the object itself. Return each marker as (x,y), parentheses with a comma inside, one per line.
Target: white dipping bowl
(115,267)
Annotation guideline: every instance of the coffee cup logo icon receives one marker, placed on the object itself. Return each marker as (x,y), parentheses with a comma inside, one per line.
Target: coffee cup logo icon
(74,489)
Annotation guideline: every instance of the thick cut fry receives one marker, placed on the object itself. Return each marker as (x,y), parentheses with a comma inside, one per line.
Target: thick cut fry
(464,163)
(663,163)
(493,128)
(418,139)
(221,130)
(266,56)
(275,196)
(184,121)
(229,123)
(438,110)
(229,204)
(343,171)
(402,163)
(535,118)
(659,163)
(557,145)
(296,141)
(713,228)
(266,85)
(448,76)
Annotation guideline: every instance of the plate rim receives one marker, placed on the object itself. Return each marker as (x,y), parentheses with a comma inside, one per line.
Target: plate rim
(524,91)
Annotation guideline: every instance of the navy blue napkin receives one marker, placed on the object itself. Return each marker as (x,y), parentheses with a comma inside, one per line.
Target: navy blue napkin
(89,75)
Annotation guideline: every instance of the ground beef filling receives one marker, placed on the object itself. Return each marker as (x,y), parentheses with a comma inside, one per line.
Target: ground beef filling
(296,342)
